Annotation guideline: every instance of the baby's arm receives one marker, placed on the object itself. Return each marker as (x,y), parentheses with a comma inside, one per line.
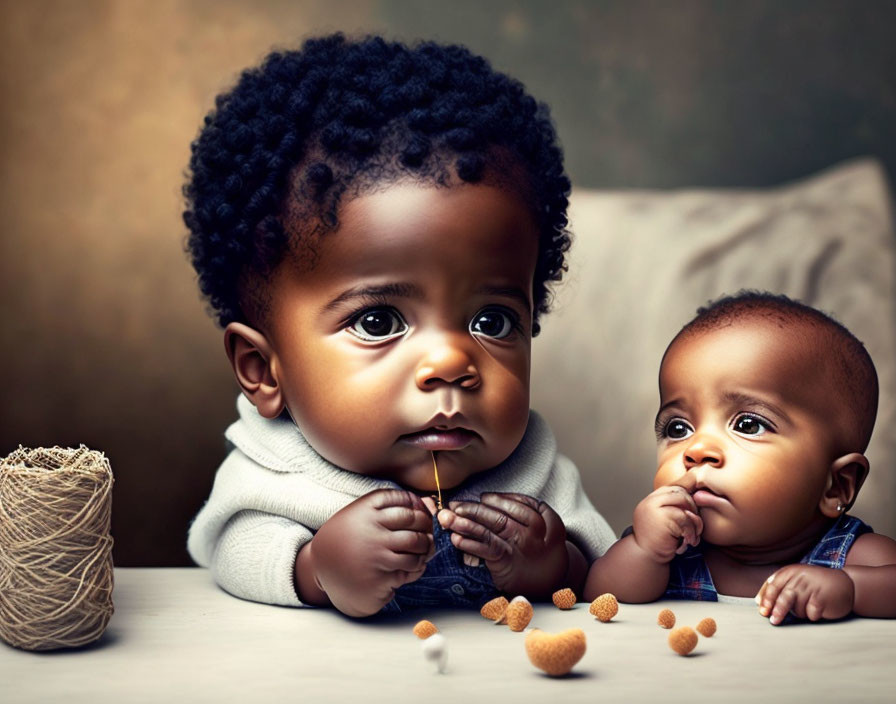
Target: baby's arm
(252,555)
(865,586)
(636,568)
(365,551)
(522,540)
(871,564)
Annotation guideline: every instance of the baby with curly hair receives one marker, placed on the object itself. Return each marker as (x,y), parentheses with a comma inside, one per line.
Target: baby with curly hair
(766,408)
(376,227)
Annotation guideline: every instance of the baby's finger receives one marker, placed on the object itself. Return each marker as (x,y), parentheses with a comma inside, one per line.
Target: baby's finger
(692,529)
(410,541)
(678,497)
(768,592)
(395,497)
(772,588)
(486,516)
(403,562)
(398,577)
(490,550)
(554,528)
(783,604)
(688,482)
(472,530)
(697,522)
(680,526)
(814,609)
(686,539)
(525,499)
(776,597)
(472,537)
(405,518)
(519,507)
(430,504)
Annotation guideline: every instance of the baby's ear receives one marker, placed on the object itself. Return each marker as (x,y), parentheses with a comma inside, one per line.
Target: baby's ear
(251,357)
(846,478)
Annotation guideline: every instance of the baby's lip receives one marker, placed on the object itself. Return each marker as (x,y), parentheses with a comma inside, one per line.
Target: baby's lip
(436,438)
(705,497)
(694,482)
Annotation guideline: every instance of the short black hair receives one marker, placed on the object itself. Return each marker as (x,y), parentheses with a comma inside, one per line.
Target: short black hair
(309,126)
(851,364)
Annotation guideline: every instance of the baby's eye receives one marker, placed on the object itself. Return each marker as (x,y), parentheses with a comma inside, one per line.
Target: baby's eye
(377,324)
(496,323)
(677,429)
(750,425)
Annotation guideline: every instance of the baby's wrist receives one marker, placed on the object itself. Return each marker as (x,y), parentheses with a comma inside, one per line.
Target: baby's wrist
(848,572)
(576,568)
(648,551)
(306,583)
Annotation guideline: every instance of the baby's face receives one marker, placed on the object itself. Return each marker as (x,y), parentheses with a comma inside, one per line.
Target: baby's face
(746,410)
(410,333)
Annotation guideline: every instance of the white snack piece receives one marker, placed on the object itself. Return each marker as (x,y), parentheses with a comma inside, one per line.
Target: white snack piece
(436,651)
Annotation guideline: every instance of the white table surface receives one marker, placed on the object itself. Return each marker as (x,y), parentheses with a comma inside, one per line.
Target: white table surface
(176,637)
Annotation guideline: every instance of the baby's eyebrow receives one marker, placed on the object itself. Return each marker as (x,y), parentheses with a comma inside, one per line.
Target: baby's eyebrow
(667,405)
(375,291)
(737,398)
(513,292)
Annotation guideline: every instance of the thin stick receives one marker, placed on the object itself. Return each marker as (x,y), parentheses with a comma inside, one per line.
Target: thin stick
(435,468)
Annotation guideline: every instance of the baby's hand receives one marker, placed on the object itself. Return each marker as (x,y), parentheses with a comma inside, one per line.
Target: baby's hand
(666,522)
(370,548)
(521,539)
(809,591)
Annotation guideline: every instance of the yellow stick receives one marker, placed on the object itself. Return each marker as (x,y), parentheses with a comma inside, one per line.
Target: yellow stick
(435,468)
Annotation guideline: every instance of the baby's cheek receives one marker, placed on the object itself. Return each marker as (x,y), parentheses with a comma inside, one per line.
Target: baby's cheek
(338,430)
(511,414)
(666,474)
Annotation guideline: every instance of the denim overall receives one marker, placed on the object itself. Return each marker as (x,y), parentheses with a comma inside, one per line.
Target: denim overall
(447,581)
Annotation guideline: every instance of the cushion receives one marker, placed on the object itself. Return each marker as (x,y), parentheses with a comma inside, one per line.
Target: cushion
(641,264)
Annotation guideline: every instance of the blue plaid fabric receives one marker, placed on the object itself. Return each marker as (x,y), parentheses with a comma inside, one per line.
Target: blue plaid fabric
(832,548)
(689,577)
(447,581)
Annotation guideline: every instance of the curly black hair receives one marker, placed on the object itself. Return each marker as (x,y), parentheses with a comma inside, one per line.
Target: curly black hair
(305,128)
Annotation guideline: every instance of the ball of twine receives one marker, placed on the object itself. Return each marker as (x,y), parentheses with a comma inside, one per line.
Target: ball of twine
(55,547)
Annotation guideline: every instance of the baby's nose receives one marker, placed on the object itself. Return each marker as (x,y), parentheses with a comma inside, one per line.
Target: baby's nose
(703,450)
(447,363)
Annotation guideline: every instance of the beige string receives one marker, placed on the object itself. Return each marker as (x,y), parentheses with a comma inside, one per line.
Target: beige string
(55,547)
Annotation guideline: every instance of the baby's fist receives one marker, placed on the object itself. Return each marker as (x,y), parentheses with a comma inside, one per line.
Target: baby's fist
(666,522)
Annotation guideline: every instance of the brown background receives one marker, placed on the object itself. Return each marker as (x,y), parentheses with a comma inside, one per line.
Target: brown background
(103,339)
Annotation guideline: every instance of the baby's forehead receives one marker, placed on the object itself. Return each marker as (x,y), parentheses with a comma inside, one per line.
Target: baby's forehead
(769,329)
(764,348)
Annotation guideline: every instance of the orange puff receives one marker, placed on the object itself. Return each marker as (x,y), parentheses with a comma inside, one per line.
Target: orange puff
(424,629)
(519,613)
(666,618)
(707,627)
(683,640)
(564,599)
(604,608)
(555,653)
(494,609)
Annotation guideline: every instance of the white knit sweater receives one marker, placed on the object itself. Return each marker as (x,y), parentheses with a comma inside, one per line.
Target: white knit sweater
(273,491)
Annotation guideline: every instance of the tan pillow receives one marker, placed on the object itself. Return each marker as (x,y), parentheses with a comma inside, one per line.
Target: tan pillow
(641,264)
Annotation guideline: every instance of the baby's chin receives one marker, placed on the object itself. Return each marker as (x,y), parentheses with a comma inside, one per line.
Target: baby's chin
(418,474)
(422,479)
(427,485)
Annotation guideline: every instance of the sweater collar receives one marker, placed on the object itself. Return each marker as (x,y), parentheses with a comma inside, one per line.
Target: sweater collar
(279,445)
